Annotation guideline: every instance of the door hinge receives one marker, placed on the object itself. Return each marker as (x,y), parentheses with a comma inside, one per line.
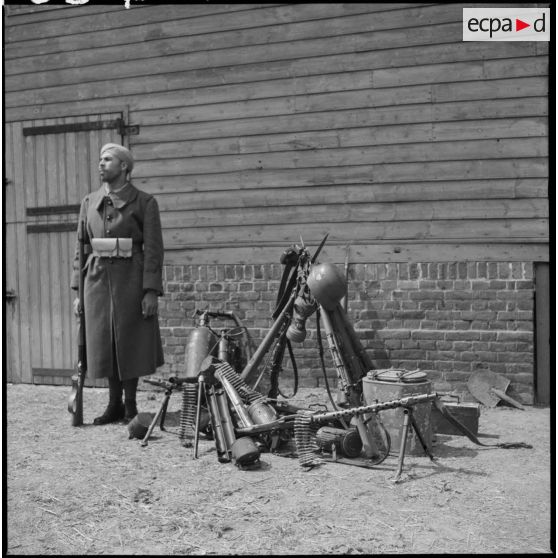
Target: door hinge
(127,130)
(10,295)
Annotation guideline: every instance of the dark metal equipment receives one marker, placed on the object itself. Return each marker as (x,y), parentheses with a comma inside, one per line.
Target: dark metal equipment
(333,440)
(245,453)
(304,422)
(238,390)
(234,344)
(173,383)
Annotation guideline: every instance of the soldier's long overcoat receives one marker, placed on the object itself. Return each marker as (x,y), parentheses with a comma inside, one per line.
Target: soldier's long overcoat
(114,287)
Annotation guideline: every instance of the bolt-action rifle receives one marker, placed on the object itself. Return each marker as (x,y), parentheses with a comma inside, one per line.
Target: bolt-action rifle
(75,400)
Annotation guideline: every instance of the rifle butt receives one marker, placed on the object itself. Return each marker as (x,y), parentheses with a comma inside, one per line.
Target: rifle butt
(75,400)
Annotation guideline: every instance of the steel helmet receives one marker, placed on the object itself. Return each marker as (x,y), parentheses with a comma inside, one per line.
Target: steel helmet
(327,285)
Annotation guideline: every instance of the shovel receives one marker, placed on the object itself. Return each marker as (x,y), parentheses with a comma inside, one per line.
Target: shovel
(489,388)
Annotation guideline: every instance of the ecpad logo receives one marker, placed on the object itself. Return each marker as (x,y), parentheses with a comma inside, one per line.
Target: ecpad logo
(506,24)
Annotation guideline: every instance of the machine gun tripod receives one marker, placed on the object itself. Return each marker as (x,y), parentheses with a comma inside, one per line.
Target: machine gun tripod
(170,385)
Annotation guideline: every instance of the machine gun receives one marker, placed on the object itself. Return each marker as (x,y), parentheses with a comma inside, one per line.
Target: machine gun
(75,400)
(305,437)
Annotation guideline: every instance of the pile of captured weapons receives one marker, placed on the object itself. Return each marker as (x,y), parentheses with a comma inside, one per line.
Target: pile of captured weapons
(231,395)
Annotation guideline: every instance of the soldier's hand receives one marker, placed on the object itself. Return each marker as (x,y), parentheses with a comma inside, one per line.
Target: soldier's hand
(149,304)
(76,306)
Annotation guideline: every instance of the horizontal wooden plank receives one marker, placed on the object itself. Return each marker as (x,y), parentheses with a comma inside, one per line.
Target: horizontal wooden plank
(160,126)
(63,372)
(176,21)
(197,112)
(362,174)
(63,376)
(137,43)
(357,212)
(301,103)
(243,59)
(442,93)
(345,157)
(74,127)
(240,62)
(490,128)
(18,14)
(51,227)
(53,210)
(507,67)
(173,197)
(459,71)
(28,14)
(464,230)
(356,137)
(255,65)
(365,253)
(94,18)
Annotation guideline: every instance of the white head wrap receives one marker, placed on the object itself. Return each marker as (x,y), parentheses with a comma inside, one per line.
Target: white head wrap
(121,152)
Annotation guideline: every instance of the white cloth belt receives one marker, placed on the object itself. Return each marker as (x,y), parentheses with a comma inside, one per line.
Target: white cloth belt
(112,247)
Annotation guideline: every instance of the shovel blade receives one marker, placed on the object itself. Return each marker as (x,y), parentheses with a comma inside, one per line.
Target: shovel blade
(484,384)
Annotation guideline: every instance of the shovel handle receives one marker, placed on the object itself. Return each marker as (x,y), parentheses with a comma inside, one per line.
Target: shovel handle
(507,398)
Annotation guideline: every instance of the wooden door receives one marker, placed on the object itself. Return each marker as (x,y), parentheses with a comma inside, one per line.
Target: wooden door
(50,165)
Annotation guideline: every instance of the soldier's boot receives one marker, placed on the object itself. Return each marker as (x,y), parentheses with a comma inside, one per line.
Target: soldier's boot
(130,408)
(115,408)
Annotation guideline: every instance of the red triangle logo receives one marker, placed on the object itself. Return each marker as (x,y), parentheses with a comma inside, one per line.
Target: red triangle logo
(519,25)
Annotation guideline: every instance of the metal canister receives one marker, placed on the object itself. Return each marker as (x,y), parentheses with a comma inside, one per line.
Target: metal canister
(386,385)
(201,342)
(346,442)
(244,451)
(261,412)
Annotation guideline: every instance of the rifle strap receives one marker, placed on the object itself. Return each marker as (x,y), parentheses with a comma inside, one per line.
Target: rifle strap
(295,372)
(460,426)
(321,352)
(288,281)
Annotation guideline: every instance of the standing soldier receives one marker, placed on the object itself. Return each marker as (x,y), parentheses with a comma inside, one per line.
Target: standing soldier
(123,279)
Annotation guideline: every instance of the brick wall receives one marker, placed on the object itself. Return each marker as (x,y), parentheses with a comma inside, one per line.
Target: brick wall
(447,319)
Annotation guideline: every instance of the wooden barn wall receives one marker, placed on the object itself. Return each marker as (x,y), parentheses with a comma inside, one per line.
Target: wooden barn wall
(260,124)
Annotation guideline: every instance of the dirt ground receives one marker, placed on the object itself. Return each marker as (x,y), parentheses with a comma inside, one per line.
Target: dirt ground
(92,490)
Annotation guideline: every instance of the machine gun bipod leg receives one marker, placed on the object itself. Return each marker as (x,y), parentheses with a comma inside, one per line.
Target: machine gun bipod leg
(408,423)
(159,415)
(201,388)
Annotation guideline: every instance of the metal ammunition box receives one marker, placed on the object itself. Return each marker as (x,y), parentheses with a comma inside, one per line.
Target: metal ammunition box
(466,413)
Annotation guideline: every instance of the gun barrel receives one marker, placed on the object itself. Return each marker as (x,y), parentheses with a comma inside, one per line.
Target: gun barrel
(355,411)
(236,401)
(260,352)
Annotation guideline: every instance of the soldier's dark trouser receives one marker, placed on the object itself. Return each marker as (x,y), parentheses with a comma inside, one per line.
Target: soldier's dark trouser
(115,410)
(130,389)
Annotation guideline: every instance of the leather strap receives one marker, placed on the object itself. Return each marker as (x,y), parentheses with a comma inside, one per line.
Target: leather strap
(460,426)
